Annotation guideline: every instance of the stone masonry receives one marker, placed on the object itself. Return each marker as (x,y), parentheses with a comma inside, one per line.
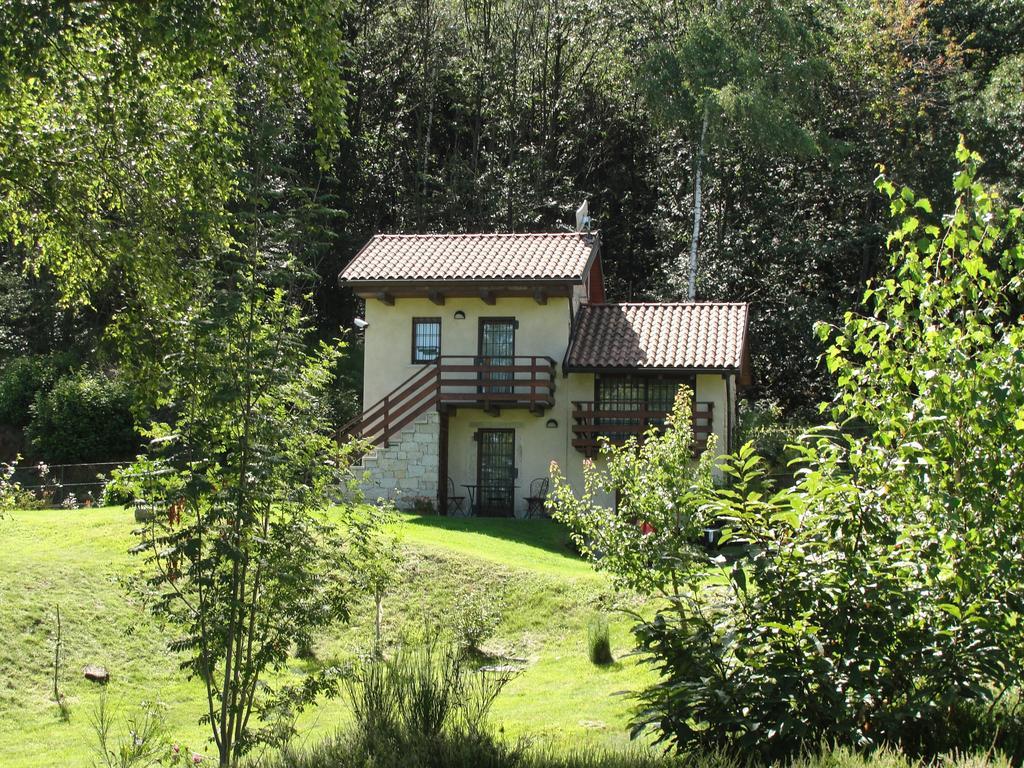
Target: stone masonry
(405,469)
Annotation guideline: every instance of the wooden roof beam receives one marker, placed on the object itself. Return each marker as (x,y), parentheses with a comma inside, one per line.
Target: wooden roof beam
(487,296)
(437,297)
(540,296)
(386,298)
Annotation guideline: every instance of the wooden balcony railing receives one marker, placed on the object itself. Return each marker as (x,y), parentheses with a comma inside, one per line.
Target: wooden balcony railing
(620,424)
(521,381)
(464,381)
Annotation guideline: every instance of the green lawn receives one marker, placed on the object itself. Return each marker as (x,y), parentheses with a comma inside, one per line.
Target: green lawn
(78,559)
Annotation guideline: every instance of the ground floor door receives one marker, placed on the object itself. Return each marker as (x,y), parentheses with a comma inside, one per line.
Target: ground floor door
(495,472)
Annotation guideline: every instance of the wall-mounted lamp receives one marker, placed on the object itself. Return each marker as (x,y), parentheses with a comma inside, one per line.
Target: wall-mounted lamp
(360,324)
(552,424)
(460,315)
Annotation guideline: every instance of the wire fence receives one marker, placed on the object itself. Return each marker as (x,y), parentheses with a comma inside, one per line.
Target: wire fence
(66,484)
(77,485)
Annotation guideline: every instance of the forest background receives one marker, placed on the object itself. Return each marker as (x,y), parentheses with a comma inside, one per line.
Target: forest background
(503,115)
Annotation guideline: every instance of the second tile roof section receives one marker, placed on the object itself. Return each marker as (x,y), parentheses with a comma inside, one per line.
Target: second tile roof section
(694,336)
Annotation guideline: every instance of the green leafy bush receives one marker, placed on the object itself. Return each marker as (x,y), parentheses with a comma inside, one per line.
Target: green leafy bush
(880,598)
(763,424)
(599,645)
(119,488)
(475,618)
(12,495)
(21,379)
(84,417)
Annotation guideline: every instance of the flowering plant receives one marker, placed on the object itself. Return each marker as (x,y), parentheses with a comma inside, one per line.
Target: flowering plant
(141,741)
(12,495)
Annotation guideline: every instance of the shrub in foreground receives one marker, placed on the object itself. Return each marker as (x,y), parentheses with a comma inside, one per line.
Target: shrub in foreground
(880,598)
(352,748)
(424,693)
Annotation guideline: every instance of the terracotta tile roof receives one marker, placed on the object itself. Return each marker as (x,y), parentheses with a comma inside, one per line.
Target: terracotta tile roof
(701,336)
(556,256)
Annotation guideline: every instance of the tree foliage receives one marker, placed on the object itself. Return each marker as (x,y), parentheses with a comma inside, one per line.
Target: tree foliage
(658,519)
(21,380)
(503,114)
(877,600)
(172,154)
(117,120)
(85,416)
(732,71)
(245,564)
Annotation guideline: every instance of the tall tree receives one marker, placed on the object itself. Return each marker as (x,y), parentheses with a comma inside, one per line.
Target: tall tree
(117,154)
(731,71)
(164,149)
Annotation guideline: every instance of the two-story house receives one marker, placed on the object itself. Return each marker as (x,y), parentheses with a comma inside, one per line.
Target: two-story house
(489,356)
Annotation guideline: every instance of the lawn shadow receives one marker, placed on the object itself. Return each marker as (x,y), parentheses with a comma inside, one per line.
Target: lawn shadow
(546,535)
(615,665)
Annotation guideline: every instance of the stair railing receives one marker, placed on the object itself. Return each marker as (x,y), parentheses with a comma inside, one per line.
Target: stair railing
(457,380)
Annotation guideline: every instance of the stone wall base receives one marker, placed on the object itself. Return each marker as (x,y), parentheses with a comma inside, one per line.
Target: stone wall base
(405,471)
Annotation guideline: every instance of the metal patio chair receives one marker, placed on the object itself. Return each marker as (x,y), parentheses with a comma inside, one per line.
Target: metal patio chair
(456,504)
(538,495)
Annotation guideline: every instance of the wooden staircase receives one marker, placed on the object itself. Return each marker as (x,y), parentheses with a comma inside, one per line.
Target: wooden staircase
(458,381)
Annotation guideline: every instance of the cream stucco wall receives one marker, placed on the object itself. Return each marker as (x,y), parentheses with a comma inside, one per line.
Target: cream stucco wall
(711,388)
(537,445)
(543,330)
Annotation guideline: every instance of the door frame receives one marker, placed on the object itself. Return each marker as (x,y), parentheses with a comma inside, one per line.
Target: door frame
(491,378)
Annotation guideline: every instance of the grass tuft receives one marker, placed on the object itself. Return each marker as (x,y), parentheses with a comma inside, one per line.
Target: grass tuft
(599,644)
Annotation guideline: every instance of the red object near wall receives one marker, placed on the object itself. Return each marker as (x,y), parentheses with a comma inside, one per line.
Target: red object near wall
(595,282)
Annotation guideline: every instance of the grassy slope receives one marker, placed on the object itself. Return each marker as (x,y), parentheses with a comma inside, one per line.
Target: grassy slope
(78,559)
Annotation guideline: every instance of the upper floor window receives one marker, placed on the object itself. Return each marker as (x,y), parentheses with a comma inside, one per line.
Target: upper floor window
(426,339)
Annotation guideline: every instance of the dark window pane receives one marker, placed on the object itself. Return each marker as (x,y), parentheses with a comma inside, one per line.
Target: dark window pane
(426,340)
(633,394)
(661,394)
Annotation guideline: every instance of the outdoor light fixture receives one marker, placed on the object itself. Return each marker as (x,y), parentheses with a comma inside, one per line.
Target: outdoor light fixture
(460,315)
(552,424)
(360,323)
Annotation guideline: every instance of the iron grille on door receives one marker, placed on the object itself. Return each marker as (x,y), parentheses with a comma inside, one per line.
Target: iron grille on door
(496,471)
